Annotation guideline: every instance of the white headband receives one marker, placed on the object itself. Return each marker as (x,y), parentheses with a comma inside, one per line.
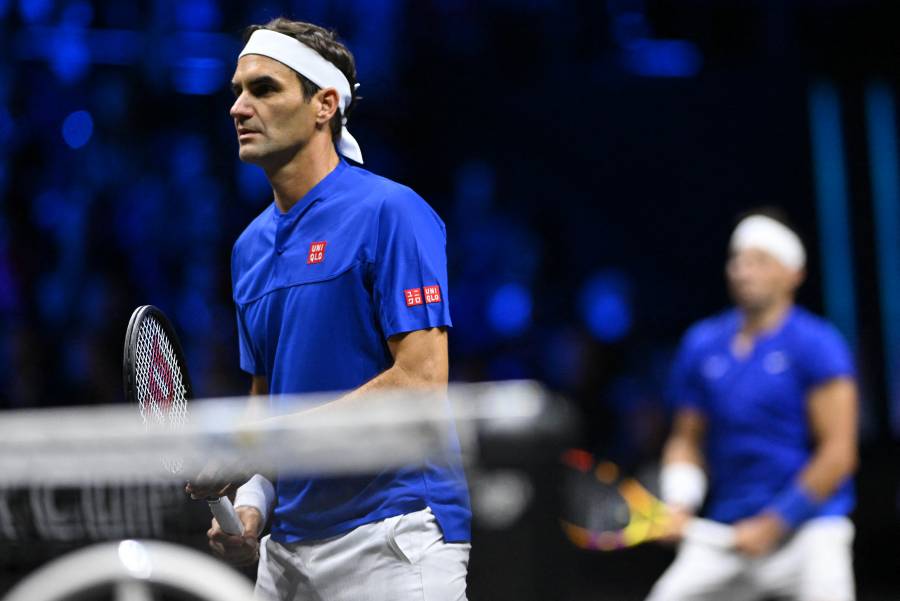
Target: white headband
(764,233)
(310,64)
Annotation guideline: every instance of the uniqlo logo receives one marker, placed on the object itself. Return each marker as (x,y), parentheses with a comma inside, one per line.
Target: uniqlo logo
(432,294)
(413,297)
(316,253)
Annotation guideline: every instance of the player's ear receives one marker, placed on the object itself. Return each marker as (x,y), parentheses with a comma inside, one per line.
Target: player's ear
(328,104)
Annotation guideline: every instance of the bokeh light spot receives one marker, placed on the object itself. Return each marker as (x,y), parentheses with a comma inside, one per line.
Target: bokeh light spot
(605,307)
(77,129)
(509,309)
(199,75)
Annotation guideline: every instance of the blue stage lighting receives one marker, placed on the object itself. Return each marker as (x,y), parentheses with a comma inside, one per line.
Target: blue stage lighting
(663,58)
(35,11)
(198,15)
(509,309)
(78,14)
(199,75)
(605,307)
(77,129)
(70,58)
(252,183)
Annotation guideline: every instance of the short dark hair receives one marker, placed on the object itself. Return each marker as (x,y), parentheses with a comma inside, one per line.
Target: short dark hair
(326,43)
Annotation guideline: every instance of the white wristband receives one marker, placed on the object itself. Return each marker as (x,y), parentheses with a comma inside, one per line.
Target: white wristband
(683,484)
(257,492)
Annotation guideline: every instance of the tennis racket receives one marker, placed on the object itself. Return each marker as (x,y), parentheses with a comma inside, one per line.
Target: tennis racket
(157,380)
(606,511)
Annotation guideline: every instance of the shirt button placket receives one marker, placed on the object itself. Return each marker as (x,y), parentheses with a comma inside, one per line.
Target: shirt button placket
(281,236)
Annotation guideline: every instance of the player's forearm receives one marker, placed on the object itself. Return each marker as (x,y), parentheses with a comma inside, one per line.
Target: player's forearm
(415,371)
(682,449)
(685,444)
(683,482)
(829,467)
(833,418)
(427,377)
(421,362)
(259,386)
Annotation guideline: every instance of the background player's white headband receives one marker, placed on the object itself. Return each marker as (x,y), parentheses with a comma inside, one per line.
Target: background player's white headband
(764,233)
(310,64)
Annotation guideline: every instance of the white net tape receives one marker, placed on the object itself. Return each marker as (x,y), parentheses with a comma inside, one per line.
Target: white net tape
(392,429)
(161,392)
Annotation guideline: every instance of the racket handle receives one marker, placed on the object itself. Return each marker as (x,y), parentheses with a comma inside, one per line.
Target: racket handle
(225,514)
(708,532)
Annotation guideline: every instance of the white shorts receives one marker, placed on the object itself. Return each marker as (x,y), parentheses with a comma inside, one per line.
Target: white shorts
(403,558)
(816,564)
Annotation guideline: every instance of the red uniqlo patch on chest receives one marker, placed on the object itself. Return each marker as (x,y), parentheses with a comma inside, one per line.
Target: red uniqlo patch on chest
(316,253)
(413,296)
(432,294)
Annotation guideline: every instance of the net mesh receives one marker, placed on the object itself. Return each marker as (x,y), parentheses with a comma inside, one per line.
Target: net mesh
(161,390)
(71,476)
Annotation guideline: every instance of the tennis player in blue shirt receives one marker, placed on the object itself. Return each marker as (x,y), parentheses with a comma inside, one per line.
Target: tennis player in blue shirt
(340,284)
(764,437)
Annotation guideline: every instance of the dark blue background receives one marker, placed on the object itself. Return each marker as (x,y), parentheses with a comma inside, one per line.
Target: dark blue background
(588,158)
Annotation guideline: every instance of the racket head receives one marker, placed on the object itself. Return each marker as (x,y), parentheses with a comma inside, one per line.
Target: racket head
(604,510)
(154,370)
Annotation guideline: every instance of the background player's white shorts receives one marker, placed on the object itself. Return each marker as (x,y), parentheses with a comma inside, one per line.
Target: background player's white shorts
(815,564)
(403,558)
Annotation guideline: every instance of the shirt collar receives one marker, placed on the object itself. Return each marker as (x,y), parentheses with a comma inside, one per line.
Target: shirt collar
(317,193)
(771,333)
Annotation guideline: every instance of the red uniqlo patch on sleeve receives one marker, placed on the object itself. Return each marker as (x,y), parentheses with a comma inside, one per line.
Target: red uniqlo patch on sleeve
(316,253)
(433,294)
(413,296)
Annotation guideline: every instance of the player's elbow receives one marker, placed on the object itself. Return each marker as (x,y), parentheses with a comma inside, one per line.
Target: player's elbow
(432,372)
(425,372)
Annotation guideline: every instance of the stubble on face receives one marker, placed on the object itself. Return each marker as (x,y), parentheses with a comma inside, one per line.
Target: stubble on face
(272,119)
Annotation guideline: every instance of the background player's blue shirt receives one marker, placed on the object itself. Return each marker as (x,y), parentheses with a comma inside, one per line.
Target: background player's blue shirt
(758,435)
(318,290)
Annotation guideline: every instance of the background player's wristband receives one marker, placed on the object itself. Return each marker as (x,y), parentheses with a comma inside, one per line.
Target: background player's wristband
(683,484)
(795,505)
(257,492)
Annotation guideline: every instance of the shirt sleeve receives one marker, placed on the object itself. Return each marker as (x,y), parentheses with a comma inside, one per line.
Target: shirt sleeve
(251,362)
(826,356)
(685,384)
(410,266)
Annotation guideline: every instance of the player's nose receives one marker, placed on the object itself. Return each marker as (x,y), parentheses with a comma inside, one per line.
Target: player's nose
(241,109)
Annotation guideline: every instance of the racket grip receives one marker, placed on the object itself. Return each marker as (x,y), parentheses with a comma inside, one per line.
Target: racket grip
(225,514)
(708,532)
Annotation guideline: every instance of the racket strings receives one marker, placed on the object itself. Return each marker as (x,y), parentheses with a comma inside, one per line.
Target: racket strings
(161,391)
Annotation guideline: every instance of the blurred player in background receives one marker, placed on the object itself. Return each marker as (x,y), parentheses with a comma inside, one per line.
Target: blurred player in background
(766,413)
(340,284)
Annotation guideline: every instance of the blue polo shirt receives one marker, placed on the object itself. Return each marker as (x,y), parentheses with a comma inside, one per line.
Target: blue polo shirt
(318,291)
(758,436)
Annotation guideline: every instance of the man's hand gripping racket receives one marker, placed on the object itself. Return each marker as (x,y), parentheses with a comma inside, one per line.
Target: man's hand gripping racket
(157,380)
(605,511)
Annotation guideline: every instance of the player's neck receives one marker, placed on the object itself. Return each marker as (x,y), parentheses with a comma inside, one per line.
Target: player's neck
(766,319)
(292,180)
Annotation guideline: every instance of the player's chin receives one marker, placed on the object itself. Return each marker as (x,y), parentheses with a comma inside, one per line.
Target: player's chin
(747,297)
(251,153)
